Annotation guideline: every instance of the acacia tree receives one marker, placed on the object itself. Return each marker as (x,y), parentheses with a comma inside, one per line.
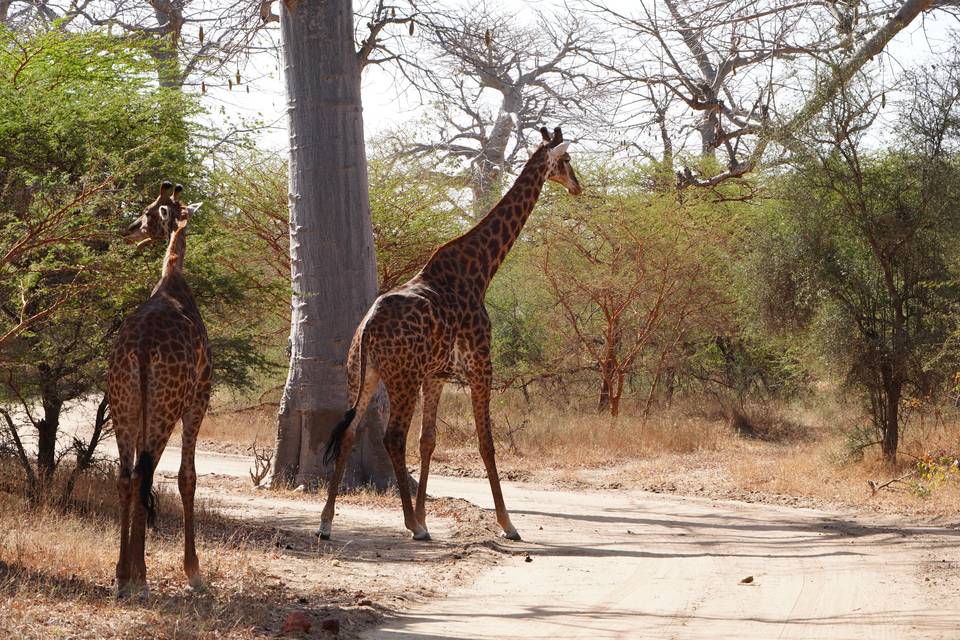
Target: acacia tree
(742,74)
(85,133)
(868,245)
(332,259)
(498,77)
(631,282)
(413,213)
(192,41)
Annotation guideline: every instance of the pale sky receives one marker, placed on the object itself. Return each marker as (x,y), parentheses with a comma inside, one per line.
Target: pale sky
(388,103)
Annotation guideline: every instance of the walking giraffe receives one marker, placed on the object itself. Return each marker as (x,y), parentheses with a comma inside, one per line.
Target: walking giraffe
(435,328)
(159,373)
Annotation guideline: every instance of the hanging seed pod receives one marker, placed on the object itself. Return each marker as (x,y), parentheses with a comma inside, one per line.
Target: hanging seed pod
(883,100)
(393,12)
(201,35)
(488,38)
(203,87)
(411,27)
(238,77)
(230,84)
(248,88)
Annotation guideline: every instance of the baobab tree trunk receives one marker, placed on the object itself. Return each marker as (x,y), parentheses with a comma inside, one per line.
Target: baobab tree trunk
(333,265)
(487,180)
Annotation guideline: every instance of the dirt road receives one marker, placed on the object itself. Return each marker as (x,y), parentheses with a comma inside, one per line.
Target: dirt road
(636,565)
(621,564)
(640,565)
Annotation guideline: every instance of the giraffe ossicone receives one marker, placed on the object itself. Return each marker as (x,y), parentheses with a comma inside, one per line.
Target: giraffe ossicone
(434,329)
(159,373)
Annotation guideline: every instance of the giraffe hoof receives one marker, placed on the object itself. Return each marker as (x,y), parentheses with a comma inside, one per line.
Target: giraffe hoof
(324,531)
(423,536)
(511,535)
(197,585)
(133,591)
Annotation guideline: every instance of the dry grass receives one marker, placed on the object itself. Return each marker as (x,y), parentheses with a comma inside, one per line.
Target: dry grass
(57,566)
(822,467)
(234,431)
(795,454)
(773,454)
(546,435)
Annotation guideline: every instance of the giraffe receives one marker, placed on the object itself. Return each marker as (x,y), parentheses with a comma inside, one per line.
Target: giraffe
(159,372)
(434,329)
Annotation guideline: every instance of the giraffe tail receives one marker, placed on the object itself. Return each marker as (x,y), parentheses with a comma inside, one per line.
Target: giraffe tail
(334,444)
(336,436)
(145,462)
(144,469)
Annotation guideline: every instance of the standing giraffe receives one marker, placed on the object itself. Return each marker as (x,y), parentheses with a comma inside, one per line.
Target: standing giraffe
(159,373)
(435,328)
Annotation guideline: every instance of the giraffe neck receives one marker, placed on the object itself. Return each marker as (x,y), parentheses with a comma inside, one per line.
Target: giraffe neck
(173,260)
(476,255)
(172,283)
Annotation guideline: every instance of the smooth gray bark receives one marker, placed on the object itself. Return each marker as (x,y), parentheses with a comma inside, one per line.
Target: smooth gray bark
(333,264)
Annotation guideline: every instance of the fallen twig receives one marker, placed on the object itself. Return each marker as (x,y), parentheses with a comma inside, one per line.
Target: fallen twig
(874,487)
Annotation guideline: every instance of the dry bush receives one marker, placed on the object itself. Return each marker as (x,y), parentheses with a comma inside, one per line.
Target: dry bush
(543,433)
(261,457)
(57,566)
(818,466)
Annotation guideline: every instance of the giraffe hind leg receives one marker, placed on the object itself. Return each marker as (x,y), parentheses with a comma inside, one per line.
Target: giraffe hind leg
(430,392)
(345,445)
(125,495)
(403,397)
(187,484)
(140,495)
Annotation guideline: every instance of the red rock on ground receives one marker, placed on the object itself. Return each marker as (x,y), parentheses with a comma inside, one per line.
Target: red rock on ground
(296,621)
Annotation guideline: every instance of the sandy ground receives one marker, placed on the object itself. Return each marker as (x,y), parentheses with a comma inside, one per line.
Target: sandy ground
(624,564)
(638,565)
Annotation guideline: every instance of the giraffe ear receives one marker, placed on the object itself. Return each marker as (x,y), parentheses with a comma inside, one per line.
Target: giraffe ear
(164,212)
(558,151)
(192,208)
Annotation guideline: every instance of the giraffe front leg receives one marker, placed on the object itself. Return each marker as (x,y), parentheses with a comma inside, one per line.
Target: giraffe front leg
(480,395)
(187,484)
(430,392)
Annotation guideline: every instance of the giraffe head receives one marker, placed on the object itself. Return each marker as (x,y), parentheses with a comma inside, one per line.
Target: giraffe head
(159,218)
(560,170)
